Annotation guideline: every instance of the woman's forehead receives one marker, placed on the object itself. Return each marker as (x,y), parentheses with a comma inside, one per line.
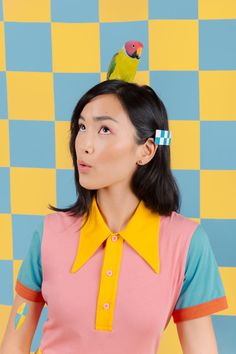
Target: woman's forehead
(104,105)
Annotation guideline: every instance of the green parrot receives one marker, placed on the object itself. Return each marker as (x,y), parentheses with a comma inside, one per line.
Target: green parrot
(124,63)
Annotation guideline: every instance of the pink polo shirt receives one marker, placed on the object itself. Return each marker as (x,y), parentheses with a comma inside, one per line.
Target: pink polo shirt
(186,284)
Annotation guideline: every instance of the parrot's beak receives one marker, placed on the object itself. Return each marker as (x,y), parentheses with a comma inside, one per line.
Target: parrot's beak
(139,52)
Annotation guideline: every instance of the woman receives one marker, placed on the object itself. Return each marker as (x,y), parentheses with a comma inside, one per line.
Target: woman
(118,263)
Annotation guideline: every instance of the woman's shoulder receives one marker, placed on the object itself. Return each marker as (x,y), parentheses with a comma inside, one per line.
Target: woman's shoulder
(61,221)
(179,222)
(181,232)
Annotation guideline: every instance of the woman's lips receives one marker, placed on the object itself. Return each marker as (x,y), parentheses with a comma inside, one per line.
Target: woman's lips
(83,163)
(84,168)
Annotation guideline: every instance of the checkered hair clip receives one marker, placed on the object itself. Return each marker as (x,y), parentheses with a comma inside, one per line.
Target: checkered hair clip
(162,137)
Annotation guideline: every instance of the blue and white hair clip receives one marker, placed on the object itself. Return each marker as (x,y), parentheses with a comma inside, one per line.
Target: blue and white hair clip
(162,137)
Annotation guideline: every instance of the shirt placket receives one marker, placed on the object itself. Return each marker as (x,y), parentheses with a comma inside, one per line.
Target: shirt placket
(108,282)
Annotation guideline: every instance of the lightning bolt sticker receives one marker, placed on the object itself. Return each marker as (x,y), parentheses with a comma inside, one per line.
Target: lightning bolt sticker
(21,315)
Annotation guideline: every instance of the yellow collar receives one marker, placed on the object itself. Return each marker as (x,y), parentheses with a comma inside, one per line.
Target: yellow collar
(141,233)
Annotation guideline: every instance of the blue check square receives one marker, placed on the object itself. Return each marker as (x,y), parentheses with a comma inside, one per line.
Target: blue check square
(74,11)
(172,9)
(217,145)
(189,185)
(3,96)
(68,89)
(217,44)
(28,46)
(66,193)
(179,92)
(6,277)
(5,206)
(32,143)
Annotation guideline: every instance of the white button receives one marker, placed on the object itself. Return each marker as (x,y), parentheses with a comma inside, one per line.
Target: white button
(114,238)
(109,272)
(106,306)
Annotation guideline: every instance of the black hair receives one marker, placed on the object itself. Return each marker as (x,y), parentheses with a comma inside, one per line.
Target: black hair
(153,182)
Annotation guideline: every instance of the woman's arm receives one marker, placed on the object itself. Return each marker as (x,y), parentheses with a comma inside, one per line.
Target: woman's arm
(197,336)
(19,341)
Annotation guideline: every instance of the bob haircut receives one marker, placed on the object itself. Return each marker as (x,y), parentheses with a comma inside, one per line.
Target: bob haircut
(153,182)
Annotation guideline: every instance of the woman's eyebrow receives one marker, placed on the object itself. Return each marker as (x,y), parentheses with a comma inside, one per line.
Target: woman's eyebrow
(100,118)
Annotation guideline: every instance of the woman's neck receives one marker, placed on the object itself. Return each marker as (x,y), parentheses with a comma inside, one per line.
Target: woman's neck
(117,210)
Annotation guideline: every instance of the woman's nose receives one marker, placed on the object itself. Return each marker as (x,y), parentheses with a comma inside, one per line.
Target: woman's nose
(88,149)
(87,144)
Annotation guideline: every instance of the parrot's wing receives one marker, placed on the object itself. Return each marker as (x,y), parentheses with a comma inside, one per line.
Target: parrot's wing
(112,65)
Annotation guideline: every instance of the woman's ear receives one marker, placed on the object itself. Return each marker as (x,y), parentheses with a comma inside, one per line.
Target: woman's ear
(149,149)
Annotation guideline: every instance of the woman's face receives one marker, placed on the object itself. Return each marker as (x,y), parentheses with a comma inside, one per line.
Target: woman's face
(108,146)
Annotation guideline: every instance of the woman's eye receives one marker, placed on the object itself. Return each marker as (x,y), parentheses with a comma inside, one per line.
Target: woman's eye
(101,127)
(79,126)
(105,128)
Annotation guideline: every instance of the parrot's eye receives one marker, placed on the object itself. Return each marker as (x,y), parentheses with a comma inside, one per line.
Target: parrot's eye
(133,45)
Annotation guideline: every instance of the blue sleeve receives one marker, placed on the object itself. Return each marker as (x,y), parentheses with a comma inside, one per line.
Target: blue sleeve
(29,279)
(202,291)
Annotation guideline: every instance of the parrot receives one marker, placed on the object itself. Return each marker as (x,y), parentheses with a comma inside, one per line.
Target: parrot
(125,62)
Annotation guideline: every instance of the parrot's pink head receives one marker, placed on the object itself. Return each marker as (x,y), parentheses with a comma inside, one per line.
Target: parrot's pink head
(134,49)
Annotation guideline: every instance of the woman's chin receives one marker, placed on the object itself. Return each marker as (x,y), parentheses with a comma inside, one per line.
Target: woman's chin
(88,186)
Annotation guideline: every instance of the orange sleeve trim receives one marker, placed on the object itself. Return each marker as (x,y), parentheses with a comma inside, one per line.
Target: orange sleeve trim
(207,308)
(27,293)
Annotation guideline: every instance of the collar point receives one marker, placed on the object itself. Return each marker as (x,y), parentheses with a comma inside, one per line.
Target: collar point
(156,269)
(74,269)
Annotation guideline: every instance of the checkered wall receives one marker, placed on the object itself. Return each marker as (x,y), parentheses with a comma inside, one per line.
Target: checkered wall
(51,52)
